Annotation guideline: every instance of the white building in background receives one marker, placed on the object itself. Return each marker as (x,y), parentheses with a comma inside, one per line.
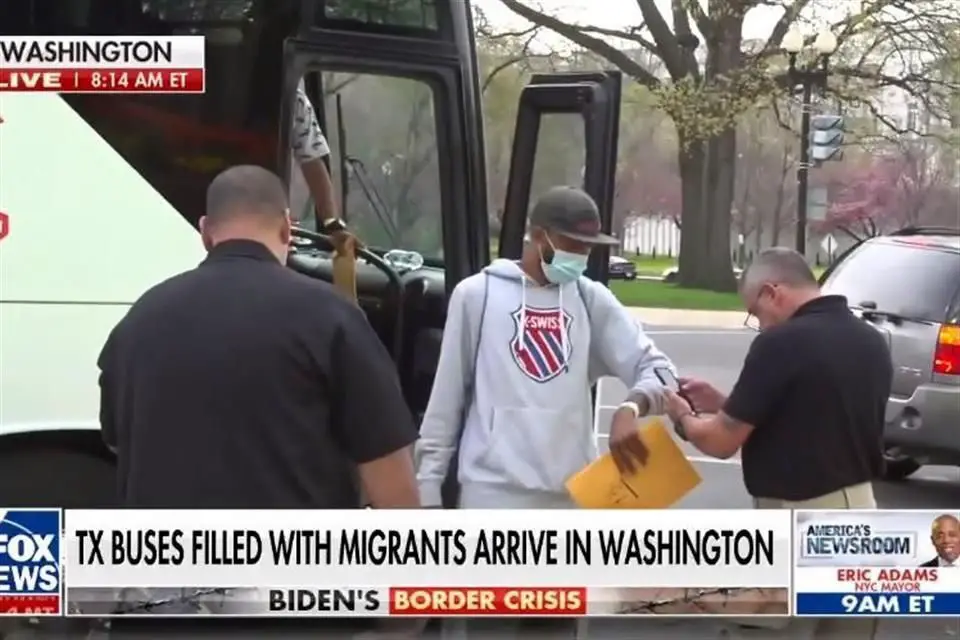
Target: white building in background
(649,236)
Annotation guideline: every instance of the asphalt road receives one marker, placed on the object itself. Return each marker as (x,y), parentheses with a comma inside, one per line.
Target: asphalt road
(716,355)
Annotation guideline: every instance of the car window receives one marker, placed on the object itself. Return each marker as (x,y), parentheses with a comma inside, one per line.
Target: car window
(913,281)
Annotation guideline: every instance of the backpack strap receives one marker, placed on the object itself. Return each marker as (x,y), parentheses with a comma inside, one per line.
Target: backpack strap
(471,379)
(586,301)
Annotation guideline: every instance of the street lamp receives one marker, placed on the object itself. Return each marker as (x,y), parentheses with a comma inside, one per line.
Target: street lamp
(808,76)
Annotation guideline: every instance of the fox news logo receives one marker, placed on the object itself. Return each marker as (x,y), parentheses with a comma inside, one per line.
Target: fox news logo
(830,540)
(29,562)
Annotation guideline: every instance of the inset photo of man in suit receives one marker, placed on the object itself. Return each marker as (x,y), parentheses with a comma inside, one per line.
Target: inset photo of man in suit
(945,536)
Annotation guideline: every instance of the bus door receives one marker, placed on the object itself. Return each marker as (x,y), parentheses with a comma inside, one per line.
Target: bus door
(395,88)
(581,110)
(578,110)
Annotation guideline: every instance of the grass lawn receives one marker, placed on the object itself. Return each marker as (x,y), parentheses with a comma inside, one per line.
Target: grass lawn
(650,266)
(650,293)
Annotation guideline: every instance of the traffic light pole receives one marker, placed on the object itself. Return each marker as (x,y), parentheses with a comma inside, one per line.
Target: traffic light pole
(803,168)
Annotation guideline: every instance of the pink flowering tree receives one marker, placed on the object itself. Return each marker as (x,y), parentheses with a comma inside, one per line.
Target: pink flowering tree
(890,192)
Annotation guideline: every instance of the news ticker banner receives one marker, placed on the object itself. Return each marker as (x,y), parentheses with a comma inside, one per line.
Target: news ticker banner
(470,563)
(98,64)
(874,563)
(391,562)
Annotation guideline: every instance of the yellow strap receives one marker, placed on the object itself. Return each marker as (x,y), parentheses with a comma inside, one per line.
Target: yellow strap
(345,265)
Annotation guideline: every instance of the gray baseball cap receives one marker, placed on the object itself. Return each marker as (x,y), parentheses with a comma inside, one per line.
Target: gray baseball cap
(571,212)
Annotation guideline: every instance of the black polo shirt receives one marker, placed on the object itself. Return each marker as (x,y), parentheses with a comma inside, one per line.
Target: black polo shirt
(816,389)
(242,384)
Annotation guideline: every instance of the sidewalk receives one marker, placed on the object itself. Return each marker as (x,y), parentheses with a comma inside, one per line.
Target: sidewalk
(689,318)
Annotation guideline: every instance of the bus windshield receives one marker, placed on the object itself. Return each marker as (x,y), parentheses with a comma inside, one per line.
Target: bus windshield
(383,160)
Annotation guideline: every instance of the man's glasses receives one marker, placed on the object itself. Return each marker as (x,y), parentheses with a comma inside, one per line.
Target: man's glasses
(751,322)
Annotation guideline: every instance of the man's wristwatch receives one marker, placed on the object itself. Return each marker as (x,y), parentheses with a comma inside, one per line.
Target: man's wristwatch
(331,226)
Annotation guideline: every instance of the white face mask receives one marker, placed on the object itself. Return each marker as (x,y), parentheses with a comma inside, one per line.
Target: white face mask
(565,266)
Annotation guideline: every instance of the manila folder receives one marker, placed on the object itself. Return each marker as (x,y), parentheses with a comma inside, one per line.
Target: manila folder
(660,483)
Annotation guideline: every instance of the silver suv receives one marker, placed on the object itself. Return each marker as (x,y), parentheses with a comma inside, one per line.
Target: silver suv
(908,286)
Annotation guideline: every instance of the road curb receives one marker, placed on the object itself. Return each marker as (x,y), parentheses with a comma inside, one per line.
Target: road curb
(689,317)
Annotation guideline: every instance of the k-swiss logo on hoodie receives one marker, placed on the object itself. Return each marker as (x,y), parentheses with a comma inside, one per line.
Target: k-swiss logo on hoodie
(541,342)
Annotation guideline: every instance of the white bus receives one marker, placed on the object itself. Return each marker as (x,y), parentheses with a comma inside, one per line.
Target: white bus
(101,192)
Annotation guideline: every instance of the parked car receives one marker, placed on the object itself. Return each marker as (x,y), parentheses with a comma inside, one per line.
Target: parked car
(670,275)
(908,286)
(621,269)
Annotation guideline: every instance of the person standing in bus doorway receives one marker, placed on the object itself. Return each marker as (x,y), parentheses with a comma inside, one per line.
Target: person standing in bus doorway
(242,384)
(523,344)
(310,149)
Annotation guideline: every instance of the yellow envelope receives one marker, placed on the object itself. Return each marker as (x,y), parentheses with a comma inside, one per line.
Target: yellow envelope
(666,478)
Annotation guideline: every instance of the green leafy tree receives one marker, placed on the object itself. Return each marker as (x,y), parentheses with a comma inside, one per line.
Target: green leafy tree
(886,43)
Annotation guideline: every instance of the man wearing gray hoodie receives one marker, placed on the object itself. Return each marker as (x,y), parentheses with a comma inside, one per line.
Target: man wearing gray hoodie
(523,344)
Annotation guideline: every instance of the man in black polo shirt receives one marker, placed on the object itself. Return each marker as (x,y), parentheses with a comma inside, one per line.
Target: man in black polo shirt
(242,384)
(808,407)
(807,411)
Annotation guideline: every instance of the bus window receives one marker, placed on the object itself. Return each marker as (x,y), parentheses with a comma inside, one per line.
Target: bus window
(561,153)
(413,14)
(559,158)
(382,135)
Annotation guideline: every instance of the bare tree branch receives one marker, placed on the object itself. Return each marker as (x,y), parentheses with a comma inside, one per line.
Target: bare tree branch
(680,10)
(685,36)
(633,36)
(783,25)
(668,46)
(575,35)
(524,55)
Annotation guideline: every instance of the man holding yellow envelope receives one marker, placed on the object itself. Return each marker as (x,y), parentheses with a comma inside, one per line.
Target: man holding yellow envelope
(523,343)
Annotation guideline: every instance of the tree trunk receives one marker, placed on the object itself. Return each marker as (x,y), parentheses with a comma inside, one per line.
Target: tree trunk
(777,216)
(746,223)
(758,232)
(781,196)
(705,261)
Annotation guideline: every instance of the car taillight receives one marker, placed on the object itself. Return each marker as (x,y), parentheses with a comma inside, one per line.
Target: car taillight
(946,358)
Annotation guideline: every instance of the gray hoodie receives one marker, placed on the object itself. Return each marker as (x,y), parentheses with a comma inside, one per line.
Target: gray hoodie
(528,414)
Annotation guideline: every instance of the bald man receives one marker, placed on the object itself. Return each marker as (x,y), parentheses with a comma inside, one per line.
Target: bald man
(242,384)
(945,536)
(210,359)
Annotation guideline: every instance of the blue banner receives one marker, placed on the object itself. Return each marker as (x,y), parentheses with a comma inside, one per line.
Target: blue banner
(878,604)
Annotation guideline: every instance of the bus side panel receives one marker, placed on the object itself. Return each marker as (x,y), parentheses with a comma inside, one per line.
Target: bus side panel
(48,374)
(87,236)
